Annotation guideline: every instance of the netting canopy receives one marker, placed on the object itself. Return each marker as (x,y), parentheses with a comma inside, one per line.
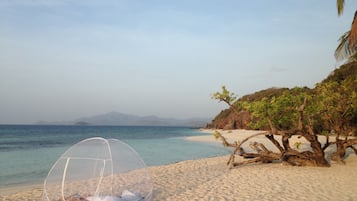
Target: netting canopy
(98,169)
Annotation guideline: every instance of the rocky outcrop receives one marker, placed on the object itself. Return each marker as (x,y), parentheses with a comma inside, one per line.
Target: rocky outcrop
(228,120)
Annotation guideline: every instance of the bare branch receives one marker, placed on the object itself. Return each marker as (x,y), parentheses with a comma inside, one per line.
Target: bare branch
(224,140)
(275,142)
(300,111)
(354,149)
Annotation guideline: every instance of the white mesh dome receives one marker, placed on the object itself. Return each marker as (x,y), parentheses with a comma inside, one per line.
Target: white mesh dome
(98,169)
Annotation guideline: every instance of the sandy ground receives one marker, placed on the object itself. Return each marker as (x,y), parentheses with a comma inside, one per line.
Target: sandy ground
(210,179)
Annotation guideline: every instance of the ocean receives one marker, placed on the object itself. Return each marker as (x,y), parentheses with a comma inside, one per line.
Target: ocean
(27,152)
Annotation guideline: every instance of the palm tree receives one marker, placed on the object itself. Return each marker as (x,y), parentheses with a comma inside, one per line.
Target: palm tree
(347,49)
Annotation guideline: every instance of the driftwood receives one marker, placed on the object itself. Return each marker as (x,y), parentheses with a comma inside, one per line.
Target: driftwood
(286,154)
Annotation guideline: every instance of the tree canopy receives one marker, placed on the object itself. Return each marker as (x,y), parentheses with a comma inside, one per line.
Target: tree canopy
(328,110)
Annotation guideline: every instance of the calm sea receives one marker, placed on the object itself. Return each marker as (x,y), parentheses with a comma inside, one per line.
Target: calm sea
(28,152)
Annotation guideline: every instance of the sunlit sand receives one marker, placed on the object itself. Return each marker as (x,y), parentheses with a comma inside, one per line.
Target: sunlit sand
(211,179)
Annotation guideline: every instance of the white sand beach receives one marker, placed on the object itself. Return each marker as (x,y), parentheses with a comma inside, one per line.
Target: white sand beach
(210,179)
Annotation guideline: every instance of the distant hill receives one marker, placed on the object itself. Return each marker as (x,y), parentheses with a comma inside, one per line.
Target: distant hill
(121,119)
(227,119)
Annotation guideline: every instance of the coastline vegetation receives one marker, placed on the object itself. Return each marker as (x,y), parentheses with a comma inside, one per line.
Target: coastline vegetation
(329,109)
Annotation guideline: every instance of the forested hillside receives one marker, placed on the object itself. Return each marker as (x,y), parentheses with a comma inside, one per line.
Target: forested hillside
(332,99)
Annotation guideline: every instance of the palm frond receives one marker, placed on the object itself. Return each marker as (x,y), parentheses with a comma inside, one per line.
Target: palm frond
(340,6)
(343,50)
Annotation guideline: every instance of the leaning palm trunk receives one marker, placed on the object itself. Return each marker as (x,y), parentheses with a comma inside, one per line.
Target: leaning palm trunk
(353,33)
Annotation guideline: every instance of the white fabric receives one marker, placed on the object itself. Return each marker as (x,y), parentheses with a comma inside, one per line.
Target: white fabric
(129,196)
(103,198)
(125,196)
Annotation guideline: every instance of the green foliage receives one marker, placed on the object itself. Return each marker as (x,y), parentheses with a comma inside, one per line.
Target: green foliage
(331,105)
(297,144)
(225,96)
(258,110)
(280,110)
(338,104)
(346,72)
(216,134)
(266,93)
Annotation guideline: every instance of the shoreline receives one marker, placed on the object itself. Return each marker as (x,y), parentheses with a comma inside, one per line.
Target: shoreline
(28,188)
(210,179)
(20,187)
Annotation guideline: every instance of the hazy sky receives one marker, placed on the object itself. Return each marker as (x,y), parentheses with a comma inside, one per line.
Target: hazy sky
(64,59)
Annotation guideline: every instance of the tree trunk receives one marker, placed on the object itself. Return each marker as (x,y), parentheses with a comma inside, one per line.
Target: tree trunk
(315,157)
(340,152)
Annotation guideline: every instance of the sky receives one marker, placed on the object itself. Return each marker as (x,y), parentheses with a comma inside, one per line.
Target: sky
(66,59)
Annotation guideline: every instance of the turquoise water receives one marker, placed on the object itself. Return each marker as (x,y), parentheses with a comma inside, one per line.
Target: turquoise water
(28,152)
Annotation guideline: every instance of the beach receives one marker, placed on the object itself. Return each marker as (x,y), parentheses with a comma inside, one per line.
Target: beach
(211,179)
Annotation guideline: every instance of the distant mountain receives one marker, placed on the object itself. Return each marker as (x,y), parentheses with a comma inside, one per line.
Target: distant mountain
(120,119)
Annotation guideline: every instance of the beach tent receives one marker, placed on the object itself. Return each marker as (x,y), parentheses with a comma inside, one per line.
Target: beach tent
(98,169)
